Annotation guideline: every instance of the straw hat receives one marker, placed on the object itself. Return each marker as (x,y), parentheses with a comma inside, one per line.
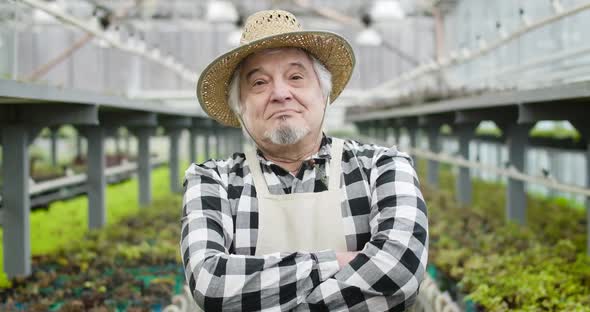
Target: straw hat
(272,29)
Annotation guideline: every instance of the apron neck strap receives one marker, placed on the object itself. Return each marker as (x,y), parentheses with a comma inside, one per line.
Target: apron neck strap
(335,167)
(335,164)
(254,164)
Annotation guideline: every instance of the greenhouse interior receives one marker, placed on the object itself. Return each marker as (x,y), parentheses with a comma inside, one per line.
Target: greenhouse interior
(462,138)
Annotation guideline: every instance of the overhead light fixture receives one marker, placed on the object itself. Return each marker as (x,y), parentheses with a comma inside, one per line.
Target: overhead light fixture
(221,11)
(155,53)
(140,45)
(102,43)
(386,10)
(369,36)
(557,6)
(169,60)
(42,17)
(234,37)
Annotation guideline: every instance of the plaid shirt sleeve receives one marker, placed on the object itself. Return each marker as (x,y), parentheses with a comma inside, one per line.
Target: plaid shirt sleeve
(229,282)
(386,274)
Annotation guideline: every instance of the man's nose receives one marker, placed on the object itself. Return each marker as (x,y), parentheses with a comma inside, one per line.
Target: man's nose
(281,92)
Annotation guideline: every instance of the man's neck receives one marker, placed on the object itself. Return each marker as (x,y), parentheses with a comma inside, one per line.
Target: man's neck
(290,157)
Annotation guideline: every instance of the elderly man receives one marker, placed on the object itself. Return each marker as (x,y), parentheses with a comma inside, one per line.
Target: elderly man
(300,221)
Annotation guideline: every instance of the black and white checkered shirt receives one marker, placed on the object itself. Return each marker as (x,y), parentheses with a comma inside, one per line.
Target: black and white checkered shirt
(384,216)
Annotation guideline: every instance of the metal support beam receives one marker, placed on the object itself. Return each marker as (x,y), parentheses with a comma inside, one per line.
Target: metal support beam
(53,138)
(48,115)
(115,119)
(516,140)
(413,136)
(533,112)
(231,140)
(128,143)
(15,197)
(371,130)
(239,140)
(499,161)
(218,147)
(143,125)
(397,135)
(206,127)
(432,133)
(207,142)
(436,120)
(110,132)
(192,144)
(554,167)
(227,146)
(173,162)
(588,198)
(363,128)
(371,127)
(374,130)
(96,181)
(479,147)
(144,173)
(172,121)
(498,114)
(117,139)
(378,131)
(584,128)
(34,131)
(464,189)
(386,131)
(432,123)
(234,141)
(381,130)
(174,125)
(79,144)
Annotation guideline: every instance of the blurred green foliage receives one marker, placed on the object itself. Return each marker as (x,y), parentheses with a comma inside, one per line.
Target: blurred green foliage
(66,222)
(503,266)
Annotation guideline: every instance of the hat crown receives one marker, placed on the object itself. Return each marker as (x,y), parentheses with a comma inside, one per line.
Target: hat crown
(268,23)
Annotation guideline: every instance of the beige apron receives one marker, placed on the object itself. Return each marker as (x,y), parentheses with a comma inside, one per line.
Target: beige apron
(299,221)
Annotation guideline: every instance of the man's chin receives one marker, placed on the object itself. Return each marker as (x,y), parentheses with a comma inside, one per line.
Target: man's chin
(286,134)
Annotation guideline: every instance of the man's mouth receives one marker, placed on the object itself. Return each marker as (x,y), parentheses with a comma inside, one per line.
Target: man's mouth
(283,113)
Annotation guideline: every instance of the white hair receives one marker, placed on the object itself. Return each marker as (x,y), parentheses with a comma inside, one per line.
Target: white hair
(233,99)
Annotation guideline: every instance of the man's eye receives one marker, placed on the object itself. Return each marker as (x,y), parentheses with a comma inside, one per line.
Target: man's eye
(296,77)
(258,82)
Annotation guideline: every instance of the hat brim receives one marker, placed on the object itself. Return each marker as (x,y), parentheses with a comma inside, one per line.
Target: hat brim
(329,48)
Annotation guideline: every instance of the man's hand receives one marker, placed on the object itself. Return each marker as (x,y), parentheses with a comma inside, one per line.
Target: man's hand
(345,257)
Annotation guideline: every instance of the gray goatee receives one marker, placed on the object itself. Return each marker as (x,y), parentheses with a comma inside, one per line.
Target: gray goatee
(284,134)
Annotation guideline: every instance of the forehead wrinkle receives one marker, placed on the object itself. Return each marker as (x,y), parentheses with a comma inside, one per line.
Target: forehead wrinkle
(252,72)
(271,51)
(259,69)
(298,65)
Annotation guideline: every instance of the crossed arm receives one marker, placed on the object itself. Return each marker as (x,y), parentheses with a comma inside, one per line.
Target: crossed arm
(385,275)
